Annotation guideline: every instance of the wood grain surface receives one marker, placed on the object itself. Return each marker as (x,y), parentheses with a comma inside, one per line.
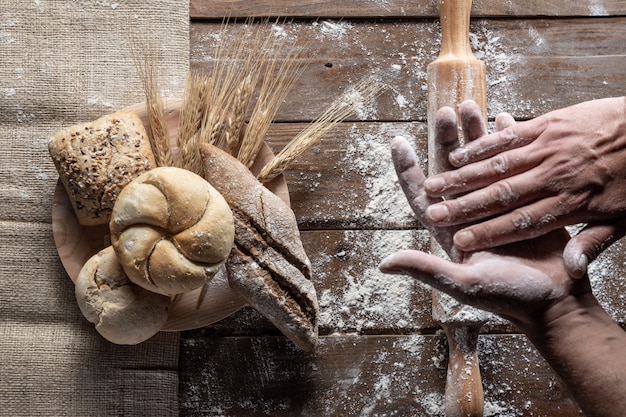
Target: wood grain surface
(577,59)
(381,353)
(204,9)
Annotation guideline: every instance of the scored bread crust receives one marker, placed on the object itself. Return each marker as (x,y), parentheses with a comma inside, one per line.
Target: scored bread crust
(96,160)
(123,313)
(268,264)
(171,230)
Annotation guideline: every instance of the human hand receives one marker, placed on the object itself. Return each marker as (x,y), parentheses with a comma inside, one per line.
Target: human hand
(563,168)
(516,281)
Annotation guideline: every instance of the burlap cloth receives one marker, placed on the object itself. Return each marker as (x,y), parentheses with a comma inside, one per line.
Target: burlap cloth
(64,62)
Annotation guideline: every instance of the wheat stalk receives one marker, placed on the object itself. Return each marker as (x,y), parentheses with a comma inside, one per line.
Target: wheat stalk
(190,122)
(337,112)
(207,97)
(244,87)
(216,104)
(155,109)
(237,118)
(278,80)
(225,109)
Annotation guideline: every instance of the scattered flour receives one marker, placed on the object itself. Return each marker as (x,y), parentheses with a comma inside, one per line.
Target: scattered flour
(368,154)
(7,25)
(596,8)
(97,3)
(7,92)
(401,100)
(333,30)
(279,30)
(99,101)
(499,60)
(364,108)
(369,299)
(608,281)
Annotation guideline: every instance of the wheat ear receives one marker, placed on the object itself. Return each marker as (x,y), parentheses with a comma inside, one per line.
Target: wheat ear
(337,112)
(155,109)
(190,122)
(278,80)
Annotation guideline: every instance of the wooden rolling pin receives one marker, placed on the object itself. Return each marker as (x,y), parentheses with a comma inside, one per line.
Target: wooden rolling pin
(456,75)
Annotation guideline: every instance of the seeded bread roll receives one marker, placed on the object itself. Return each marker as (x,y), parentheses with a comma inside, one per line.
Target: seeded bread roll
(96,160)
(124,313)
(171,230)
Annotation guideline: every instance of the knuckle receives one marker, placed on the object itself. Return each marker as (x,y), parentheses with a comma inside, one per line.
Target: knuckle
(499,164)
(574,201)
(522,219)
(503,192)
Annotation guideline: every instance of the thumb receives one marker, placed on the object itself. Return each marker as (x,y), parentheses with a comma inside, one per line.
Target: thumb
(585,247)
(432,270)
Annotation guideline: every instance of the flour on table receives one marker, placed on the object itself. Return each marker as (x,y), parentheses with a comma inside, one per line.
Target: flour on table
(363,297)
(279,31)
(333,29)
(363,109)
(368,154)
(596,8)
(499,61)
(608,281)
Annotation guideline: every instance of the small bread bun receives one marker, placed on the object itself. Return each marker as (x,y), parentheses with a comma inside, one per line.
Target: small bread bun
(123,312)
(171,230)
(96,160)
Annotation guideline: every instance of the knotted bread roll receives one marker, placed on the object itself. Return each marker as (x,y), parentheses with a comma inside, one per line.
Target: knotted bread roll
(171,230)
(124,313)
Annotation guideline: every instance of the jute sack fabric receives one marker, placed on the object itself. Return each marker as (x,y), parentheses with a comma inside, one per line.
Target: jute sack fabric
(63,62)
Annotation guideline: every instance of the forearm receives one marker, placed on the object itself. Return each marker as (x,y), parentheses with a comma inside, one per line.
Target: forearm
(588,351)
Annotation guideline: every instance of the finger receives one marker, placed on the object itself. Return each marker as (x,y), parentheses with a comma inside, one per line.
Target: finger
(411,179)
(409,173)
(504,120)
(512,137)
(449,277)
(446,139)
(521,224)
(481,174)
(495,199)
(585,247)
(472,123)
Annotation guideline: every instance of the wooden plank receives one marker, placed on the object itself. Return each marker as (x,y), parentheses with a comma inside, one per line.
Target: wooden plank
(534,65)
(354,297)
(243,367)
(347,180)
(359,376)
(209,9)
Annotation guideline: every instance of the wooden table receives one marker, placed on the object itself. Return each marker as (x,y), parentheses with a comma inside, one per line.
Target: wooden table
(380,352)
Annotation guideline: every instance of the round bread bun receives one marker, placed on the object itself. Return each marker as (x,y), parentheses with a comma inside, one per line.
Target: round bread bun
(171,230)
(123,312)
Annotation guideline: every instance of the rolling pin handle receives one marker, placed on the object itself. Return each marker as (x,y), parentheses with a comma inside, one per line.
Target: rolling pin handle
(454,17)
(464,390)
